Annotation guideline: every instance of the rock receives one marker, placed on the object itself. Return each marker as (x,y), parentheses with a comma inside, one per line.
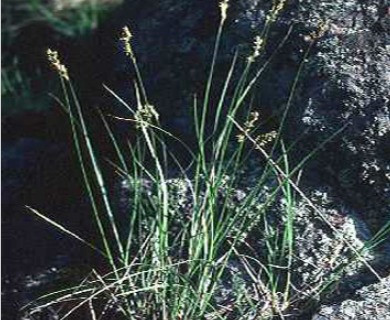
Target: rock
(26,161)
(22,288)
(38,173)
(371,302)
(356,65)
(344,84)
(324,245)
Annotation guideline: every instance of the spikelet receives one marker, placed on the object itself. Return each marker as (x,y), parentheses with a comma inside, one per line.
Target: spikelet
(319,33)
(145,115)
(257,47)
(56,64)
(248,126)
(223,6)
(125,37)
(264,139)
(277,7)
(261,140)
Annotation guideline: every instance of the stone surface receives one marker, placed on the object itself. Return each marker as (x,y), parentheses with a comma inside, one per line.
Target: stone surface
(325,244)
(370,303)
(38,173)
(347,83)
(21,288)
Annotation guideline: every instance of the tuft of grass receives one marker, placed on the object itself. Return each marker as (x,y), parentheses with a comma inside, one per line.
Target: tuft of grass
(71,20)
(19,87)
(184,249)
(19,91)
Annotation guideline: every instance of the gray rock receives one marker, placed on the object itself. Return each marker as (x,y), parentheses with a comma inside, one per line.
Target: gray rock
(369,303)
(20,291)
(324,246)
(345,83)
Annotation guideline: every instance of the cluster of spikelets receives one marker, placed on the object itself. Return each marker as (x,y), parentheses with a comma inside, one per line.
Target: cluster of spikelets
(126,41)
(146,115)
(249,126)
(277,7)
(57,65)
(317,34)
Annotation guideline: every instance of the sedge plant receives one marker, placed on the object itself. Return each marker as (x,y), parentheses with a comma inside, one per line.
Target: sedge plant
(175,254)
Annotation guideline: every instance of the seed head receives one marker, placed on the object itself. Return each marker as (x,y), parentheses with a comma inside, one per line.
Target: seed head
(248,126)
(223,6)
(257,46)
(279,6)
(264,139)
(276,9)
(145,115)
(125,37)
(56,64)
(319,33)
(126,34)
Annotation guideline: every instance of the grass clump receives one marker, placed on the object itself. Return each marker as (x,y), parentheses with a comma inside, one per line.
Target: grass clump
(214,240)
(26,26)
(18,92)
(68,18)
